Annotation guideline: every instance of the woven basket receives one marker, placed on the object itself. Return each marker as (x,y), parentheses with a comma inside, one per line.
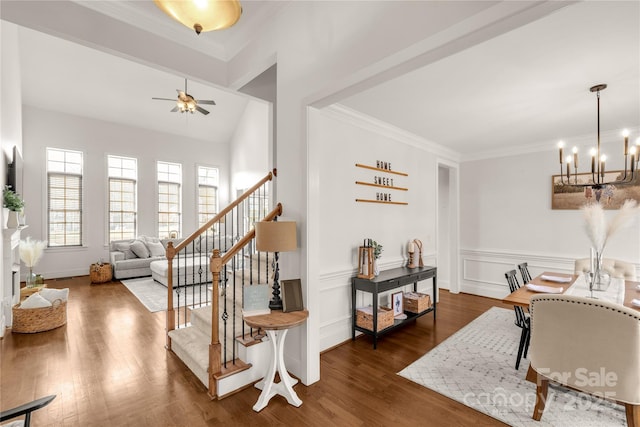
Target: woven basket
(100,273)
(32,320)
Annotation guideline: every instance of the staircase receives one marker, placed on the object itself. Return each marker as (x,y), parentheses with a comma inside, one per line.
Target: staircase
(211,338)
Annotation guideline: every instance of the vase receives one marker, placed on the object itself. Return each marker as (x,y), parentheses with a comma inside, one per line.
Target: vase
(376,269)
(31,280)
(12,221)
(601,279)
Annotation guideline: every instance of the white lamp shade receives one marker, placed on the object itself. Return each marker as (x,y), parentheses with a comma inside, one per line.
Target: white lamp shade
(276,236)
(208,15)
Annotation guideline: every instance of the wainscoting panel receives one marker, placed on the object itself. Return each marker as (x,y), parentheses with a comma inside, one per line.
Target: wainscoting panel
(483,270)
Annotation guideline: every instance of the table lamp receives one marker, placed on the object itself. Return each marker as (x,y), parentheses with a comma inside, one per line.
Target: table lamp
(274,236)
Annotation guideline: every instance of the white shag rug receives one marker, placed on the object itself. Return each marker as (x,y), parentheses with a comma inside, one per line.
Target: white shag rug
(153,295)
(476,366)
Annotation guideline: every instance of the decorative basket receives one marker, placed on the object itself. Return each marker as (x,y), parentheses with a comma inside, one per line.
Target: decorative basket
(32,320)
(416,302)
(100,273)
(364,318)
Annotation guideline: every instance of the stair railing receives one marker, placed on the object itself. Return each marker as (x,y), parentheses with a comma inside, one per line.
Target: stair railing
(190,284)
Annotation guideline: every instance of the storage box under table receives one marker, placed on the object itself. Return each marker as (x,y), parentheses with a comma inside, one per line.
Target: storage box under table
(416,302)
(364,317)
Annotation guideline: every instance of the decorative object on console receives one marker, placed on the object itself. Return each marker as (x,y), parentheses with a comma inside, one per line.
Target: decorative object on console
(365,261)
(30,254)
(599,233)
(276,236)
(377,253)
(202,15)
(418,244)
(411,248)
(597,180)
(397,306)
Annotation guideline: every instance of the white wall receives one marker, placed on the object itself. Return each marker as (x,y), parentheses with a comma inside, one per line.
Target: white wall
(506,218)
(10,136)
(97,139)
(345,223)
(249,148)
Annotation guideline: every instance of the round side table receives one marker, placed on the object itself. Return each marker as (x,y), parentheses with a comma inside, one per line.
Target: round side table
(276,324)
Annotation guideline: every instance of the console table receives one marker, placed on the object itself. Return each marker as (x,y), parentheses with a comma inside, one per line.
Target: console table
(388,280)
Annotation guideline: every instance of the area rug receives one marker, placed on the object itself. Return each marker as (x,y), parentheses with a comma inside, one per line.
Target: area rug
(476,366)
(153,295)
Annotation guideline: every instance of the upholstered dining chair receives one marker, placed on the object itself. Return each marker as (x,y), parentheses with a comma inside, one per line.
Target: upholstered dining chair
(588,345)
(616,268)
(25,410)
(522,320)
(524,272)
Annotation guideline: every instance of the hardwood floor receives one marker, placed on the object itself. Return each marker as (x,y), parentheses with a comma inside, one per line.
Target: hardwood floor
(108,366)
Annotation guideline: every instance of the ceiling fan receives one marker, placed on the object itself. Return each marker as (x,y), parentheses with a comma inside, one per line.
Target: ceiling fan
(187,103)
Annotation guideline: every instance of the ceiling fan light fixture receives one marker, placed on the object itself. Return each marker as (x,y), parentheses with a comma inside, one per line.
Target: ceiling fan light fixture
(202,15)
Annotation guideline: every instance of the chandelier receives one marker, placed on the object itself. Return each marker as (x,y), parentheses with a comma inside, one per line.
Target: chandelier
(202,15)
(631,157)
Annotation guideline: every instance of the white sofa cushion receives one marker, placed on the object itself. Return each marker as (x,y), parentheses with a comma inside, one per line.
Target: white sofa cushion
(156,248)
(125,248)
(140,249)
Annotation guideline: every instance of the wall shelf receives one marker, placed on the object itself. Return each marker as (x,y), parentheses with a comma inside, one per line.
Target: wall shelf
(381,201)
(382,186)
(381,170)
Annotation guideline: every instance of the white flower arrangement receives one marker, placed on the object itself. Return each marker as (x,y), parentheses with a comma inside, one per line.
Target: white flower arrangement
(31,251)
(596,225)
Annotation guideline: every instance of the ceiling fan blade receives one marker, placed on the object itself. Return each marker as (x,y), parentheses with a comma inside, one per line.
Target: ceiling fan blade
(208,102)
(202,110)
(165,99)
(174,109)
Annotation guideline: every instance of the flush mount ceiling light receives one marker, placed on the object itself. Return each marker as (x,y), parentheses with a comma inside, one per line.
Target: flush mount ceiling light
(597,178)
(202,15)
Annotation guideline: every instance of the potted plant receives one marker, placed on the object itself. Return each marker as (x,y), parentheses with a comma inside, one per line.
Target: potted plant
(13,204)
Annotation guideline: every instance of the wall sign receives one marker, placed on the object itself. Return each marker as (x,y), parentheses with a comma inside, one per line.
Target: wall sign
(385,180)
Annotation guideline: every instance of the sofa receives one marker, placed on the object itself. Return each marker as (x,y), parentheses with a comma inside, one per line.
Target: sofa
(135,257)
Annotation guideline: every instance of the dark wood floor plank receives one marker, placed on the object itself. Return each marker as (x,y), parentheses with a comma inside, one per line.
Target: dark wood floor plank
(108,366)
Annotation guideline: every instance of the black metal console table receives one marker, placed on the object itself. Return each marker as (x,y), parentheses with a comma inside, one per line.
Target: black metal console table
(386,281)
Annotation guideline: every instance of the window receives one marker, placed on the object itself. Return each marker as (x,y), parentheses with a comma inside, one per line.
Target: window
(123,174)
(64,197)
(207,194)
(257,207)
(169,196)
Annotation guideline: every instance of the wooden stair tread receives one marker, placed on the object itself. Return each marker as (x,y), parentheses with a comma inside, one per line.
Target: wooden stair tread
(232,368)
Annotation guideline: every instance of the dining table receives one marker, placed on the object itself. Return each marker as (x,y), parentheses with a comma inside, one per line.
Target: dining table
(522,296)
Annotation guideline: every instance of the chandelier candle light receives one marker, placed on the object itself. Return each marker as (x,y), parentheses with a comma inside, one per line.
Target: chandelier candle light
(30,254)
(598,159)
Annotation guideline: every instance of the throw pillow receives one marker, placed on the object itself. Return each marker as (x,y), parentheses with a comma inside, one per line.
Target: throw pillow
(53,294)
(140,249)
(125,248)
(156,248)
(35,301)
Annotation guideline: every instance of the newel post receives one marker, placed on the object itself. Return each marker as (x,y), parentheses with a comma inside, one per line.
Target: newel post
(215,349)
(171,314)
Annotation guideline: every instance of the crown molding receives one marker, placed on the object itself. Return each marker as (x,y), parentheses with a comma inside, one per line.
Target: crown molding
(367,122)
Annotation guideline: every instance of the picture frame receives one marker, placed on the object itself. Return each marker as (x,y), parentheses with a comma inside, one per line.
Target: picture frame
(611,197)
(397,304)
(292,295)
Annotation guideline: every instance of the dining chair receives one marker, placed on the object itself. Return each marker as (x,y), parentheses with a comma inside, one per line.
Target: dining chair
(616,268)
(522,320)
(524,271)
(586,345)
